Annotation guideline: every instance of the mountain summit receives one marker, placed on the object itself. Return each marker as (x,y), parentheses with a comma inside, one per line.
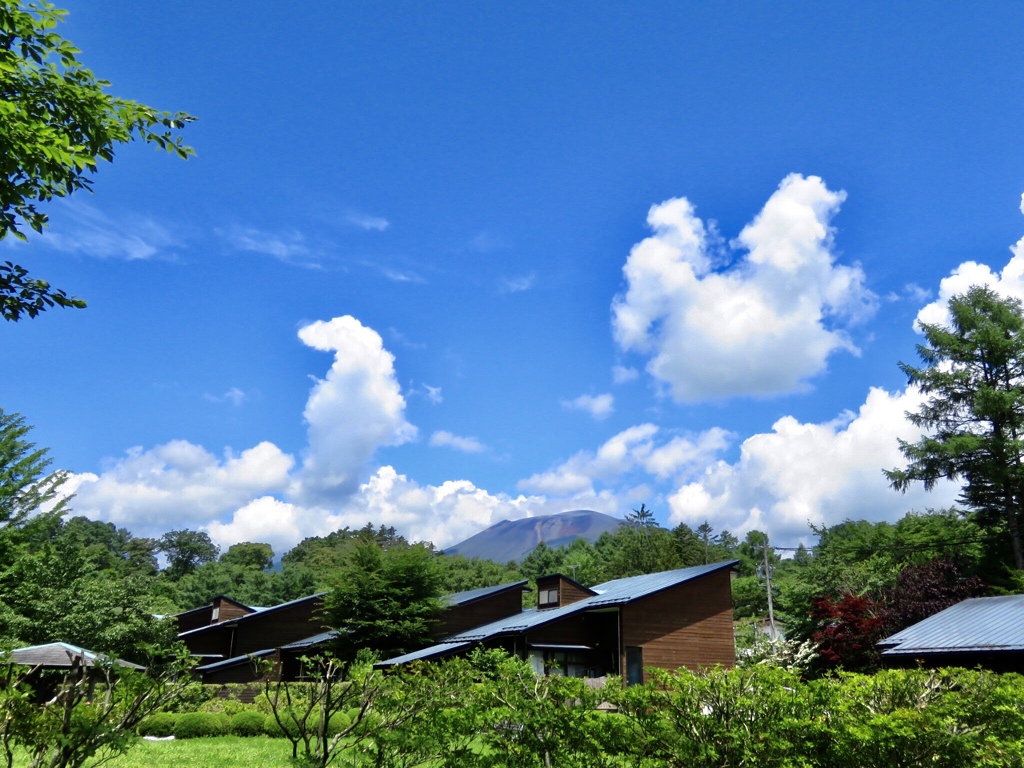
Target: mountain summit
(515,539)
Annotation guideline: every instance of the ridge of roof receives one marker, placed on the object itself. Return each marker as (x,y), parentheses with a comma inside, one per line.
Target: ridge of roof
(469,595)
(239,619)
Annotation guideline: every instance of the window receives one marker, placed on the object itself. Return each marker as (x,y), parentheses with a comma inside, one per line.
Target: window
(563,663)
(547,597)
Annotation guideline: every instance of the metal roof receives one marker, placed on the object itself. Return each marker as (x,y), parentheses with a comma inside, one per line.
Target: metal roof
(617,592)
(235,660)
(433,651)
(976,624)
(257,613)
(309,642)
(461,598)
(61,655)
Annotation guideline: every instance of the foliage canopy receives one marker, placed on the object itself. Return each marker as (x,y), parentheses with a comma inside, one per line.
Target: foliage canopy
(57,122)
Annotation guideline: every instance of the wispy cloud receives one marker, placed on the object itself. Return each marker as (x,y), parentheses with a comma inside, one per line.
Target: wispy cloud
(486,242)
(83,230)
(366,221)
(621,374)
(403,340)
(518,284)
(444,439)
(287,247)
(235,396)
(400,276)
(598,406)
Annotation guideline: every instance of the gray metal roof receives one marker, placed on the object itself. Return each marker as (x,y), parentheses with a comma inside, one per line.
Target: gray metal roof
(309,642)
(61,655)
(617,592)
(977,624)
(441,649)
(235,661)
(461,598)
(257,613)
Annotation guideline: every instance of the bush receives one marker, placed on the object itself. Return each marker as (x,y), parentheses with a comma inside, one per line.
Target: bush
(194,725)
(160,724)
(229,707)
(272,728)
(247,724)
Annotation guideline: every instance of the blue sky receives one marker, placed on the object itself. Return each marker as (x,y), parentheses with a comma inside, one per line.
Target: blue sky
(436,266)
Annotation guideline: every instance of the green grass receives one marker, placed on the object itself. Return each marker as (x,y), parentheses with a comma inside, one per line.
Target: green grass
(220,752)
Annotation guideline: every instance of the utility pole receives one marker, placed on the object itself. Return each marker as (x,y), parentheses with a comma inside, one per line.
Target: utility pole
(768,582)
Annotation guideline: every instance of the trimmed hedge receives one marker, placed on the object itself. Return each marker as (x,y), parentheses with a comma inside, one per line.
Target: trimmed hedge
(159,724)
(247,724)
(194,725)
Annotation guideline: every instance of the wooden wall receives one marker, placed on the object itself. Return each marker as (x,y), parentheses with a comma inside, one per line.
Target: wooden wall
(569,591)
(686,626)
(274,628)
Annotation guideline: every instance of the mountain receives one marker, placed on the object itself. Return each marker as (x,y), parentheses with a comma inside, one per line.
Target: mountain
(515,539)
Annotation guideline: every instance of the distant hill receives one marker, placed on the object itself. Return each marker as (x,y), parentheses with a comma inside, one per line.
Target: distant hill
(515,539)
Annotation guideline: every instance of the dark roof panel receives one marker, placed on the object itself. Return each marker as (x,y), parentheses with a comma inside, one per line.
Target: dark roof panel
(61,655)
(976,624)
(461,598)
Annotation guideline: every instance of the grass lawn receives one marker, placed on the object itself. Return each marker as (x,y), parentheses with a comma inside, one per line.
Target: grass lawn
(220,752)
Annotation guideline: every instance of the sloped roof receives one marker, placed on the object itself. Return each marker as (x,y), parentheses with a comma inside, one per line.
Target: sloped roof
(431,652)
(309,642)
(461,598)
(976,624)
(258,613)
(234,661)
(616,592)
(60,655)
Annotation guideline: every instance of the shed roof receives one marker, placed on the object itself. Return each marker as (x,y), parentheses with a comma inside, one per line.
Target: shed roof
(61,655)
(976,624)
(234,661)
(611,593)
(258,613)
(461,598)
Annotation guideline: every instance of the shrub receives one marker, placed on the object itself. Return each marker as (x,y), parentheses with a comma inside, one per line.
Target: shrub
(247,724)
(272,728)
(229,707)
(194,725)
(160,724)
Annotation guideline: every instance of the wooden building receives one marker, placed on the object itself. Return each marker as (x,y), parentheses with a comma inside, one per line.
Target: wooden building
(667,620)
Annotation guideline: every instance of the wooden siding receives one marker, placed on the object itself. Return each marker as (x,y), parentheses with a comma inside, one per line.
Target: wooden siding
(569,591)
(229,609)
(459,618)
(274,628)
(258,631)
(686,626)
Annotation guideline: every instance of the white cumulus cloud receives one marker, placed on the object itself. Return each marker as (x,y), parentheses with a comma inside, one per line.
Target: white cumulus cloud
(633,450)
(444,439)
(178,484)
(355,410)
(1009,281)
(802,473)
(598,406)
(761,325)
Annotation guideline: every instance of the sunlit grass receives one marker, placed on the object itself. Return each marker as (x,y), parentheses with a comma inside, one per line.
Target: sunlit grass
(220,752)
